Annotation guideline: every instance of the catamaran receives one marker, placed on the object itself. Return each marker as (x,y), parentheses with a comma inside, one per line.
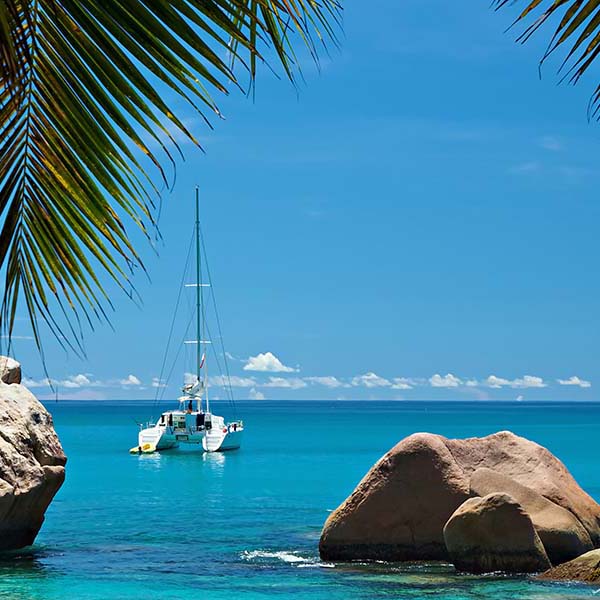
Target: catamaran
(192,425)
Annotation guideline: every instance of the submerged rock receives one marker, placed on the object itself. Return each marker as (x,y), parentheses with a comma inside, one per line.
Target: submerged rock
(562,535)
(583,568)
(399,509)
(32,465)
(494,533)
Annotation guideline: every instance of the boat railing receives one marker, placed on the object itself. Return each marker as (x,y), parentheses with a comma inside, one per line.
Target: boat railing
(188,429)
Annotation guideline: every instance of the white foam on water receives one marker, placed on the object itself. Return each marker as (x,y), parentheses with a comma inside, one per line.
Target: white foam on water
(288,557)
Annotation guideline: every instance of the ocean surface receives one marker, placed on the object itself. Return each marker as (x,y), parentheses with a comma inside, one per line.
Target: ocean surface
(246,524)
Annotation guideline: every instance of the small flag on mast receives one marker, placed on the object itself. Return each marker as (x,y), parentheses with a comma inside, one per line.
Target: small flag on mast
(202,361)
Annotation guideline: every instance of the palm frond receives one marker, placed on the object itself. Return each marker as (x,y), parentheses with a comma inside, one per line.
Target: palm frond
(577,31)
(83,119)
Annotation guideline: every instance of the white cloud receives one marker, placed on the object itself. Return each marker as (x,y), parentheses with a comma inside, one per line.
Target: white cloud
(403,383)
(519,398)
(328,381)
(255,395)
(267,361)
(528,381)
(157,383)
(71,382)
(82,380)
(496,382)
(447,381)
(370,380)
(130,380)
(575,381)
(234,381)
(471,383)
(33,383)
(75,381)
(292,383)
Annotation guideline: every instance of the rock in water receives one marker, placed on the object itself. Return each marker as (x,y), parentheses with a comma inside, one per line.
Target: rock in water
(32,465)
(532,465)
(494,533)
(563,536)
(399,509)
(583,568)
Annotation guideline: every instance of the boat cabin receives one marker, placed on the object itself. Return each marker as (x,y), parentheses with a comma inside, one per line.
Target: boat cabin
(186,421)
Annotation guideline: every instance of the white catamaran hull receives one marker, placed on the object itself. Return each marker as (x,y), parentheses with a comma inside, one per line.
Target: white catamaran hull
(219,441)
(165,437)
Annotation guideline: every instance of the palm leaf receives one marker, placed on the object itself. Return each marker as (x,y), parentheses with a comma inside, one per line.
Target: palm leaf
(84,120)
(577,31)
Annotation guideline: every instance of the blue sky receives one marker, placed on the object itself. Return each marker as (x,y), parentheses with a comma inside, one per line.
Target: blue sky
(417,221)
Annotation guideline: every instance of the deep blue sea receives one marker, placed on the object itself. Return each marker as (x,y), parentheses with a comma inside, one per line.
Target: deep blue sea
(246,524)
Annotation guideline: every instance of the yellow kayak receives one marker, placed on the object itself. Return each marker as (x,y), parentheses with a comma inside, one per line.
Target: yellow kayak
(145,449)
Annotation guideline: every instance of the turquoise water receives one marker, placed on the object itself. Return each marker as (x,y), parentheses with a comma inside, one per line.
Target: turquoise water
(246,524)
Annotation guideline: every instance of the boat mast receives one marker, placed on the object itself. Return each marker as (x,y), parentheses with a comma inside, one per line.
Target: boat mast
(198,299)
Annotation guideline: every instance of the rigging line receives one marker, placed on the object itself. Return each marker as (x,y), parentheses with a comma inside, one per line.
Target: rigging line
(218,320)
(181,345)
(164,362)
(218,363)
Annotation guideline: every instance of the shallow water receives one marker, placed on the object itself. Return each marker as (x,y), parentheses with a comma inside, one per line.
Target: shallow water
(246,524)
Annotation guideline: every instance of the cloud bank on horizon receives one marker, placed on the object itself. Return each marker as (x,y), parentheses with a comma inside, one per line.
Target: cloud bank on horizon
(287,379)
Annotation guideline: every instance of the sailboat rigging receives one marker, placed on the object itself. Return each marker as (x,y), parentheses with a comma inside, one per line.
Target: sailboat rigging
(189,426)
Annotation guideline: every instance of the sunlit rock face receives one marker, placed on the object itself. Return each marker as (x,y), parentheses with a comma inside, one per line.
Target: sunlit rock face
(583,568)
(560,531)
(32,461)
(10,370)
(399,510)
(494,533)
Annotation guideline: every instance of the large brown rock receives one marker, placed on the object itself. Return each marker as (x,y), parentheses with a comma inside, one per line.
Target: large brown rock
(494,533)
(563,536)
(32,465)
(532,465)
(583,568)
(10,370)
(399,509)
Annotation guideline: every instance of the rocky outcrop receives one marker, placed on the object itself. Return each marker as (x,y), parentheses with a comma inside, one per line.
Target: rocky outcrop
(532,465)
(32,465)
(584,568)
(10,370)
(494,533)
(399,509)
(562,535)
